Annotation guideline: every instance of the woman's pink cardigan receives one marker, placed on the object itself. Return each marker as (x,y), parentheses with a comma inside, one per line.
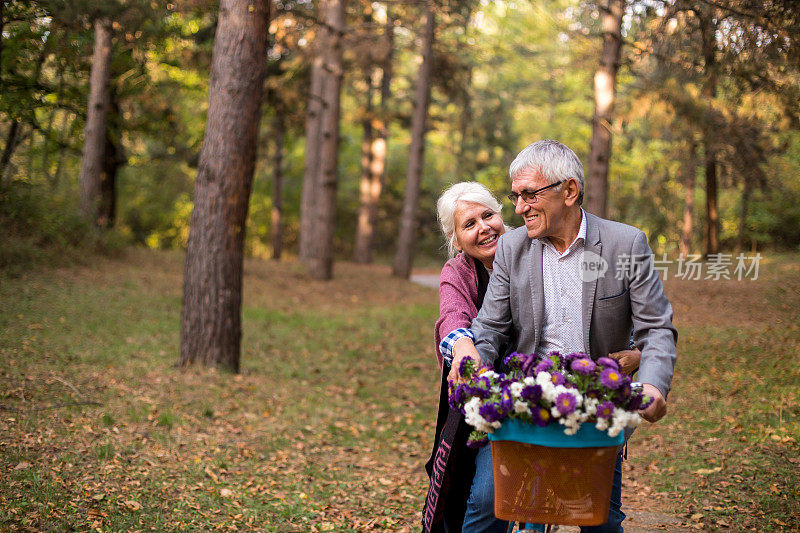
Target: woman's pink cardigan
(458,297)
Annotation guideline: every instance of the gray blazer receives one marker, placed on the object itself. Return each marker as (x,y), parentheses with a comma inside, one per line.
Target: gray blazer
(514,301)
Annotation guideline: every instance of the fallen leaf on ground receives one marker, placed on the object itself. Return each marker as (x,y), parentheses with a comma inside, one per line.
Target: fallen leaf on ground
(706,471)
(132,505)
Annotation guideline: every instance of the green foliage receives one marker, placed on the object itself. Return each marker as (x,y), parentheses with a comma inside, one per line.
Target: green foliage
(507,74)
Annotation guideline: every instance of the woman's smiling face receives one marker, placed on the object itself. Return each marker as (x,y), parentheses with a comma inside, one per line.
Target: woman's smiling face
(477,229)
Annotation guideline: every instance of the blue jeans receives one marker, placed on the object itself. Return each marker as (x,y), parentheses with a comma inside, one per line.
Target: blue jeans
(480,518)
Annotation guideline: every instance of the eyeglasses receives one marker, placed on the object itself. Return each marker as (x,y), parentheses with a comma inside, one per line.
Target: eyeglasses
(529,197)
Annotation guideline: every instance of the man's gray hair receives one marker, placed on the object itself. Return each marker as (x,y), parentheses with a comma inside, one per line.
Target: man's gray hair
(552,160)
(467,191)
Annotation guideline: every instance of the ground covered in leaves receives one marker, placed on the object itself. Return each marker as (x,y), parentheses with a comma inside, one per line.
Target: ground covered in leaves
(331,419)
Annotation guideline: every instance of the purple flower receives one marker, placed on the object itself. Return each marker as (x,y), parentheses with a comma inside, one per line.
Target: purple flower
(477,440)
(492,412)
(514,360)
(608,362)
(541,416)
(646,403)
(506,400)
(531,393)
(457,396)
(467,367)
(470,390)
(583,366)
(529,365)
(566,403)
(605,410)
(572,356)
(557,378)
(637,402)
(483,382)
(612,378)
(544,366)
(623,392)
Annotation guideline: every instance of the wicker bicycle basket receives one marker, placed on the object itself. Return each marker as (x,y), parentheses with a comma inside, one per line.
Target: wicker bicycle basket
(543,476)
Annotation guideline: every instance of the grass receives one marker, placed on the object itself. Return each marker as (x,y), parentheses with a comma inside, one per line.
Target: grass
(330,421)
(727,455)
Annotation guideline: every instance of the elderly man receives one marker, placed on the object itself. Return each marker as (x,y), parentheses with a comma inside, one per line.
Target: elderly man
(568,281)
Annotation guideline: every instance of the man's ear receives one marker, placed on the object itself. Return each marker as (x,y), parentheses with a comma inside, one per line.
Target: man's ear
(571,192)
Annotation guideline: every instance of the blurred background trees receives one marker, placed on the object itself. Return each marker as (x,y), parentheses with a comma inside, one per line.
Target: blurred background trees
(704,150)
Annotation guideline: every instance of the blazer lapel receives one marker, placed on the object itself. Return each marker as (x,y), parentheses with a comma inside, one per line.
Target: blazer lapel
(537,290)
(594,245)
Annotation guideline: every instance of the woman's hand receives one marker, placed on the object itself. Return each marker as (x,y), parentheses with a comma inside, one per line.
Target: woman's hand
(628,360)
(461,349)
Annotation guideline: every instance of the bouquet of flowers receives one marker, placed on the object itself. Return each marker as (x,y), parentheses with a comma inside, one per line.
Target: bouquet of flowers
(568,389)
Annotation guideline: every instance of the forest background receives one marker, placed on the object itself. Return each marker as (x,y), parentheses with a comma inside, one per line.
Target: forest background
(117,145)
(700,84)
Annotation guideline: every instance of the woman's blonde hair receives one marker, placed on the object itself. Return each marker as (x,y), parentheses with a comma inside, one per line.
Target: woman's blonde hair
(467,191)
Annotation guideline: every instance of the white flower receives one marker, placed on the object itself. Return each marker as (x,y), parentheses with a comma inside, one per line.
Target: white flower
(590,406)
(520,407)
(622,419)
(473,417)
(572,423)
(544,378)
(545,381)
(516,389)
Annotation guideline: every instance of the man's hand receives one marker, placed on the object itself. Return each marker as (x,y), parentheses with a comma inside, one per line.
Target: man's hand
(628,359)
(658,408)
(461,349)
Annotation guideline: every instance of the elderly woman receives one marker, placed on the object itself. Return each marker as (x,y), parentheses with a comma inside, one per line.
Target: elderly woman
(472,224)
(461,492)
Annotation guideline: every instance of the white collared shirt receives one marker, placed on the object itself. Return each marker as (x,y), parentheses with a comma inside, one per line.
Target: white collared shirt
(563,295)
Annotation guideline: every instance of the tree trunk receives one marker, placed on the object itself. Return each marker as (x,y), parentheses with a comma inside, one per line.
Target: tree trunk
(744,208)
(362,252)
(94,137)
(12,140)
(314,114)
(709,93)
(604,92)
(212,288)
(2,29)
(277,183)
(370,69)
(689,172)
(318,218)
(372,180)
(408,220)
(112,160)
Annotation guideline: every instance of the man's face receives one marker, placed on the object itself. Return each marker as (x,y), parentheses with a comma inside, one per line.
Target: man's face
(545,217)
